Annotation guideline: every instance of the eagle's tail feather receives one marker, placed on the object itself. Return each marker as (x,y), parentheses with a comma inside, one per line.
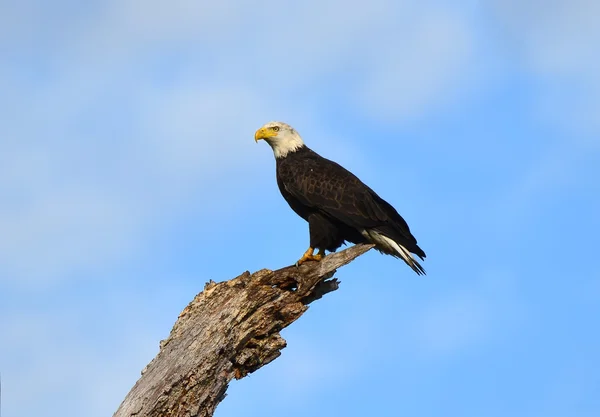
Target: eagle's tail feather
(387,245)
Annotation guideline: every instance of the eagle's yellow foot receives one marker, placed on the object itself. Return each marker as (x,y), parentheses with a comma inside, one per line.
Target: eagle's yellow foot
(308,256)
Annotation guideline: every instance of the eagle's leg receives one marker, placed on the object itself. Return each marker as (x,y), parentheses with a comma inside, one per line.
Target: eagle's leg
(308,256)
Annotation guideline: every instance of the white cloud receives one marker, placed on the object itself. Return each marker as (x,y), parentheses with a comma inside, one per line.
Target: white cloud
(100,146)
(52,356)
(82,201)
(555,37)
(557,42)
(423,68)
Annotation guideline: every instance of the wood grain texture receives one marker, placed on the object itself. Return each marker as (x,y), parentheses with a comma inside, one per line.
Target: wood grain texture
(228,331)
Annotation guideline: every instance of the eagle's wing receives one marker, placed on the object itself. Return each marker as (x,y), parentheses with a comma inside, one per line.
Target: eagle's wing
(325,185)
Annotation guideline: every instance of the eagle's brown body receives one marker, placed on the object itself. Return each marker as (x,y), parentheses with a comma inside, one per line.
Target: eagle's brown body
(340,207)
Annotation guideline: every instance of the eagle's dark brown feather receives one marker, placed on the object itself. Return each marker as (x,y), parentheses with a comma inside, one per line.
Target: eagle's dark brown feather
(338,205)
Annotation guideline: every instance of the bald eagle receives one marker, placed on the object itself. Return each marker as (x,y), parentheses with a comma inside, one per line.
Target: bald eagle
(336,204)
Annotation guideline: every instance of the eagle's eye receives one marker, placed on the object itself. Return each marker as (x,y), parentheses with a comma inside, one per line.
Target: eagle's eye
(276,128)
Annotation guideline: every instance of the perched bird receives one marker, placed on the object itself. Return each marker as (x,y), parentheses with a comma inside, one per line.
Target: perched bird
(336,204)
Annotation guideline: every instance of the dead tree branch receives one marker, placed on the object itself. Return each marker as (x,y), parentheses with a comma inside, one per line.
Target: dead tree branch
(228,331)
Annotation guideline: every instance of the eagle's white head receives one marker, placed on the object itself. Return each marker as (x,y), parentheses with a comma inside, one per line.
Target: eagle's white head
(282,138)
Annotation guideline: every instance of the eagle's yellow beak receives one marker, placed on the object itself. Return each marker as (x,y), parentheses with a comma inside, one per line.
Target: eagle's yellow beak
(264,133)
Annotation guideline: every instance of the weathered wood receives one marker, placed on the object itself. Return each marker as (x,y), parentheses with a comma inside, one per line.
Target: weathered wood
(228,331)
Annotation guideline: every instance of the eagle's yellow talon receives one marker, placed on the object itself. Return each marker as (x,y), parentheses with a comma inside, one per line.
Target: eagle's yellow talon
(308,256)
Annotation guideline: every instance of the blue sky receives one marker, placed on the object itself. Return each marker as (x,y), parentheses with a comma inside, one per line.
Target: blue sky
(130,178)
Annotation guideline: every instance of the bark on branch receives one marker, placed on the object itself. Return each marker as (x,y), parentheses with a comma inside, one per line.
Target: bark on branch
(228,331)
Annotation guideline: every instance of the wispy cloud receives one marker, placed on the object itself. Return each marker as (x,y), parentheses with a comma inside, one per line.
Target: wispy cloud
(425,67)
(120,116)
(120,112)
(57,348)
(556,41)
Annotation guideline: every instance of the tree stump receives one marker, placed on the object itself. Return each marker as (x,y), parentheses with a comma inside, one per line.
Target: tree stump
(228,331)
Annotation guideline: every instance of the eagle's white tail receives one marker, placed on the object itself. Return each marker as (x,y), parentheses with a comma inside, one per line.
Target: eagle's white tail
(386,245)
